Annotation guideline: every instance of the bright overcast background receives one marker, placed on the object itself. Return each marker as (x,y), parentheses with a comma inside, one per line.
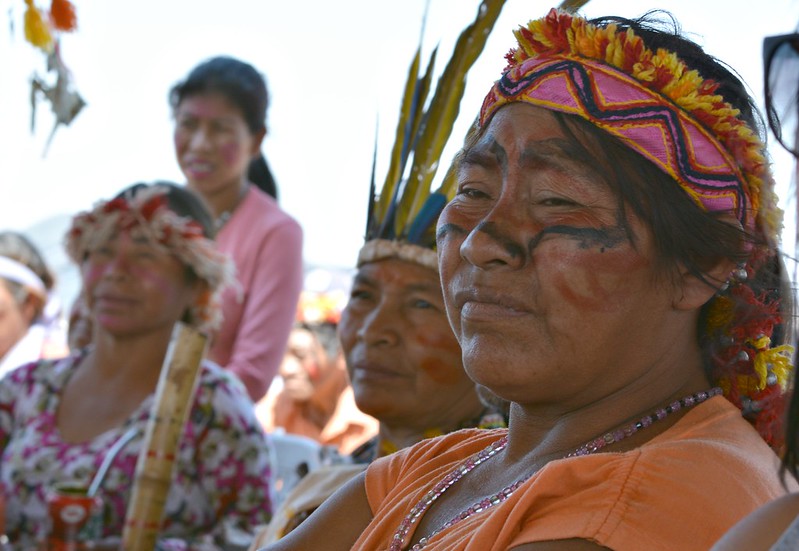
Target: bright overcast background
(334,70)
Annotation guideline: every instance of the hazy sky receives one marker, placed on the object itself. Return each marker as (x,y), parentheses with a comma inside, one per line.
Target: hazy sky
(333,69)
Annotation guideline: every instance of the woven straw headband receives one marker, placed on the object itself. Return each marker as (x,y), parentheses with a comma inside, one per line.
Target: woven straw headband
(182,237)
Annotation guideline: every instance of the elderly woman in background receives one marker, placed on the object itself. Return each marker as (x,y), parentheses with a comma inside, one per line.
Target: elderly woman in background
(147,261)
(610,267)
(403,360)
(30,327)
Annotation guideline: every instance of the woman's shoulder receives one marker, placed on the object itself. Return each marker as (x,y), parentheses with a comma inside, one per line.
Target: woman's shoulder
(216,382)
(761,529)
(262,211)
(447,448)
(45,371)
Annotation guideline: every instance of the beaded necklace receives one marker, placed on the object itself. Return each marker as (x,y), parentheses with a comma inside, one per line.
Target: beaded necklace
(398,541)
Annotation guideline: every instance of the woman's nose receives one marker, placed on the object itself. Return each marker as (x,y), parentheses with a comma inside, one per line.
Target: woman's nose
(379,328)
(499,238)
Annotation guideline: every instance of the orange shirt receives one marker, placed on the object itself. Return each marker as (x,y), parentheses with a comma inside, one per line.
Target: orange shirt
(681,490)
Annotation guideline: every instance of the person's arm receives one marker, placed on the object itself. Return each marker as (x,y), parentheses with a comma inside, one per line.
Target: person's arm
(273,290)
(329,527)
(761,529)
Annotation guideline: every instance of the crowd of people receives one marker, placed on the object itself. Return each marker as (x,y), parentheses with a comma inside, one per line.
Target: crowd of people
(583,339)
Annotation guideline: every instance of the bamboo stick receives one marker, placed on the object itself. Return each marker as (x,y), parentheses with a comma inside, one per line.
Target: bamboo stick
(154,467)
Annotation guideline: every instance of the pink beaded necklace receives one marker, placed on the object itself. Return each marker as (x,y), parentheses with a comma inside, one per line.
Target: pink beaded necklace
(398,541)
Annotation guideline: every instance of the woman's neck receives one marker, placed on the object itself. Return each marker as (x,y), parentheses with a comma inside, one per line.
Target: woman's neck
(223,202)
(393,437)
(137,359)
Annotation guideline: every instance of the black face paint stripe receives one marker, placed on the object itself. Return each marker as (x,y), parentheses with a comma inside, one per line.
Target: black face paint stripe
(588,237)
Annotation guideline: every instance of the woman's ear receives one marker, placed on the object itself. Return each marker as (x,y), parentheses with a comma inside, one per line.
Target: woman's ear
(692,291)
(257,141)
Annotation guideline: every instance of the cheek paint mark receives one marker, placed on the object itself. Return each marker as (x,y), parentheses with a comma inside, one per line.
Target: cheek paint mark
(442,372)
(442,360)
(231,153)
(600,280)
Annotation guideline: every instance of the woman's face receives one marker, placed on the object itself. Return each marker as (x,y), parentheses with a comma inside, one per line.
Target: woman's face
(402,358)
(303,364)
(133,287)
(213,143)
(14,320)
(549,295)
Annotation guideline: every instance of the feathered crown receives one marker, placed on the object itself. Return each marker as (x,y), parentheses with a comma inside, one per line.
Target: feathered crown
(401,219)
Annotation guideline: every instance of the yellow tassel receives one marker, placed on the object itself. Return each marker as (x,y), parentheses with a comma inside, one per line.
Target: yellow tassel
(778,359)
(37,31)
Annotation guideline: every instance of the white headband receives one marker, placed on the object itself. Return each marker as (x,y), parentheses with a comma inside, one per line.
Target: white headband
(19,273)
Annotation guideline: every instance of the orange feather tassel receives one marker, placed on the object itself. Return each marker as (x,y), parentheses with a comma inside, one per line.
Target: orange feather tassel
(62,15)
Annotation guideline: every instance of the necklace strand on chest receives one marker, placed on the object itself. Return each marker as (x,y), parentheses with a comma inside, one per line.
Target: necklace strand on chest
(398,542)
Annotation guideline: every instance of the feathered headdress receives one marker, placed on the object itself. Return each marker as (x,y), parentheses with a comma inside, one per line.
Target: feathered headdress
(401,218)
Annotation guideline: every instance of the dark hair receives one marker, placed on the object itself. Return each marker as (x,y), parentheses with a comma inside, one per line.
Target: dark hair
(245,88)
(17,247)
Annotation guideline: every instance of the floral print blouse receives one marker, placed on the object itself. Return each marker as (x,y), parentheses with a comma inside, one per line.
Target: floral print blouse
(222,470)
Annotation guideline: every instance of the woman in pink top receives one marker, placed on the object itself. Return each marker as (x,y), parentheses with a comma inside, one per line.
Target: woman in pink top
(220,113)
(609,265)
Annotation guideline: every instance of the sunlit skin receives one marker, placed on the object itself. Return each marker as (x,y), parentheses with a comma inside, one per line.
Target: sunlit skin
(132,286)
(15,319)
(537,265)
(134,292)
(214,147)
(403,360)
(558,300)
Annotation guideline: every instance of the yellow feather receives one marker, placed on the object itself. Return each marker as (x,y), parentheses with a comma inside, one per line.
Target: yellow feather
(393,176)
(443,111)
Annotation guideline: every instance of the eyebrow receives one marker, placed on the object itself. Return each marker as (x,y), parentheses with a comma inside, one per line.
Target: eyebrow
(558,153)
(366,280)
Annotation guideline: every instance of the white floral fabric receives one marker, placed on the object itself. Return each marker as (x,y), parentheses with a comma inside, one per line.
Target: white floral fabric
(222,469)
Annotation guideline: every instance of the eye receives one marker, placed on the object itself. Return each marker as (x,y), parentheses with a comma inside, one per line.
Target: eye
(101,252)
(468,192)
(187,124)
(558,202)
(360,294)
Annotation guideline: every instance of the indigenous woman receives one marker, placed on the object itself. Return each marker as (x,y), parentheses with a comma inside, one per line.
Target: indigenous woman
(146,262)
(609,266)
(403,360)
(220,113)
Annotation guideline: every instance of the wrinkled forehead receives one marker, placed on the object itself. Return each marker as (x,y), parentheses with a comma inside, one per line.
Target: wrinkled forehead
(397,275)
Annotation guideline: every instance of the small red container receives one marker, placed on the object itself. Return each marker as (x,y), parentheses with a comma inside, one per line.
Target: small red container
(75,518)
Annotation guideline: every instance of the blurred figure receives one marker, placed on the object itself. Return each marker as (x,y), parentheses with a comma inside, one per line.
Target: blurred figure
(402,357)
(315,398)
(30,322)
(147,261)
(220,123)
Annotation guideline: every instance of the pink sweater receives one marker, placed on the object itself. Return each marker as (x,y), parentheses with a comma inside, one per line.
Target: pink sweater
(266,246)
